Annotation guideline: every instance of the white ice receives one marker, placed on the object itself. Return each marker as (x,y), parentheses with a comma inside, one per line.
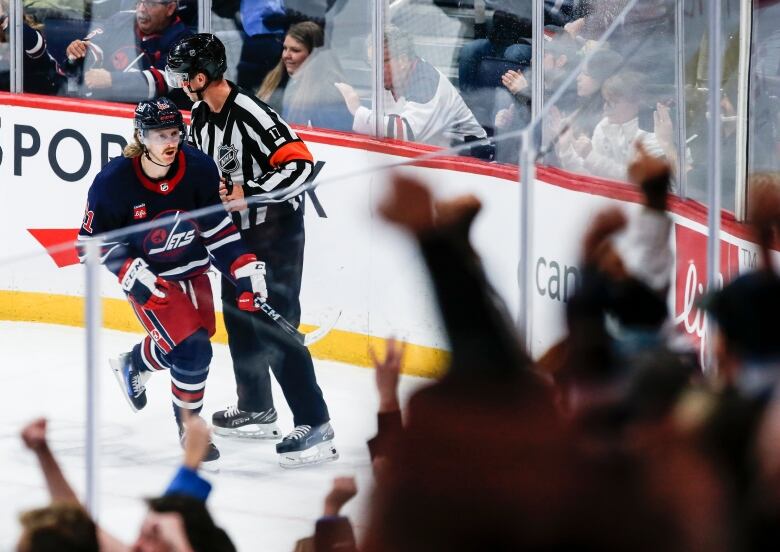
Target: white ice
(262,506)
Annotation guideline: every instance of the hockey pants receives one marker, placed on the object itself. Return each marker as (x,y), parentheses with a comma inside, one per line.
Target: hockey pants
(178,340)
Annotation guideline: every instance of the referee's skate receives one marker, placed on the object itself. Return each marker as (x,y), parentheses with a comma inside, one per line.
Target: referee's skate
(233,422)
(306,446)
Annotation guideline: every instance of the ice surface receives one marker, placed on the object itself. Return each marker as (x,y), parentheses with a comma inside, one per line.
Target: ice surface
(262,506)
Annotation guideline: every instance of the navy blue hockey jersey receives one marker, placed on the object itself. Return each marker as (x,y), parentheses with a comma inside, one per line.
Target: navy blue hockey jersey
(122,196)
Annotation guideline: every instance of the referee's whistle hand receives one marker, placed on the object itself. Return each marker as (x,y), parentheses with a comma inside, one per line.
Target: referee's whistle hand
(233,201)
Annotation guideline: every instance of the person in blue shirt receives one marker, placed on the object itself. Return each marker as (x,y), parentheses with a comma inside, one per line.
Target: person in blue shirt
(184,501)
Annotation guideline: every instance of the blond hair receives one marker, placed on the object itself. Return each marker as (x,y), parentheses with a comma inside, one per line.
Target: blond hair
(134,148)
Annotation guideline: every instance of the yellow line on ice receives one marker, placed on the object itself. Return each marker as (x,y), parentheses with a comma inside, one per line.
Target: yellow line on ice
(338,345)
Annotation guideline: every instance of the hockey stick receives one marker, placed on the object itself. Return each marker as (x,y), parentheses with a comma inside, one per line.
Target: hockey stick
(305,339)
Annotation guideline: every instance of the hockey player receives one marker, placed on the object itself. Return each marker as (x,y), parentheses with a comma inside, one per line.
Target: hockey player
(162,269)
(260,156)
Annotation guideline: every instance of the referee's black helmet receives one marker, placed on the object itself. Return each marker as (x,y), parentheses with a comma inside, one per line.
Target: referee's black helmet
(200,53)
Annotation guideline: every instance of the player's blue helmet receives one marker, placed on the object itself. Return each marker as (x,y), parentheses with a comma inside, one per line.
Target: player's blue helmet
(158,113)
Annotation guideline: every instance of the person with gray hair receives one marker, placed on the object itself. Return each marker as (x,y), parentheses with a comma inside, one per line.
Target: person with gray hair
(421,104)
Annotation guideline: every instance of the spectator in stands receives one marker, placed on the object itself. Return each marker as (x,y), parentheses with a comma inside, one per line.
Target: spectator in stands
(421,104)
(387,373)
(513,101)
(616,318)
(482,61)
(608,152)
(529,483)
(125,57)
(333,531)
(647,27)
(181,522)
(176,521)
(736,423)
(578,113)
(302,85)
(589,107)
(42,75)
(299,42)
(264,23)
(593,17)
(60,526)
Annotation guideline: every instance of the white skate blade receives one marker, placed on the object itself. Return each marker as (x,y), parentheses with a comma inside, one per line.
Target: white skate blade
(250,431)
(116,367)
(319,454)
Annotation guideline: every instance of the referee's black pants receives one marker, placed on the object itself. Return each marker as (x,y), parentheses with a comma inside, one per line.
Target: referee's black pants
(256,342)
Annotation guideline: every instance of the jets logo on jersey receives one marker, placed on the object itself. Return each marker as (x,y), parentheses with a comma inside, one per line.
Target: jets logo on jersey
(227,159)
(170,241)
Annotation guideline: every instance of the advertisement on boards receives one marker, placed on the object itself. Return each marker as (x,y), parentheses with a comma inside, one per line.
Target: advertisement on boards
(50,151)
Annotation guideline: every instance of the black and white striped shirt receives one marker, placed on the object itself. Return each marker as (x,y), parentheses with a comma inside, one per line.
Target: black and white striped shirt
(253,145)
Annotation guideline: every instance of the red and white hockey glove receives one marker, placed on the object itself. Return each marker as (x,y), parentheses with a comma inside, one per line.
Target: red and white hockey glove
(249,274)
(144,286)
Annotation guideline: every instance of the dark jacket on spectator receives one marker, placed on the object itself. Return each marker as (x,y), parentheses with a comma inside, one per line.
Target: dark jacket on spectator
(42,74)
(136,61)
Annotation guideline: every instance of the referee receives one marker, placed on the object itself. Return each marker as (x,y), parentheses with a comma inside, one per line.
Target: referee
(258,154)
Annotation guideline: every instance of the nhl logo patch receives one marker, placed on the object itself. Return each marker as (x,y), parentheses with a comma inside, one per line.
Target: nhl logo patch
(163,186)
(227,159)
(139,211)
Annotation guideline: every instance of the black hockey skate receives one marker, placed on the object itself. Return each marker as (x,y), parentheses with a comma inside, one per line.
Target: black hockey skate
(210,458)
(131,380)
(233,422)
(306,446)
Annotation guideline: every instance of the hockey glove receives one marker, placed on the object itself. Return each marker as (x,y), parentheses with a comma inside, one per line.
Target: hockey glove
(249,274)
(144,286)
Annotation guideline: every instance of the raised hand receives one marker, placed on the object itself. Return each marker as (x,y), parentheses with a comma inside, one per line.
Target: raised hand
(198,437)
(34,435)
(387,373)
(652,175)
(597,248)
(409,204)
(514,81)
(344,488)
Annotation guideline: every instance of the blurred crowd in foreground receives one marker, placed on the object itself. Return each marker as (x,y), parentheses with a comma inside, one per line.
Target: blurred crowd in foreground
(613,440)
